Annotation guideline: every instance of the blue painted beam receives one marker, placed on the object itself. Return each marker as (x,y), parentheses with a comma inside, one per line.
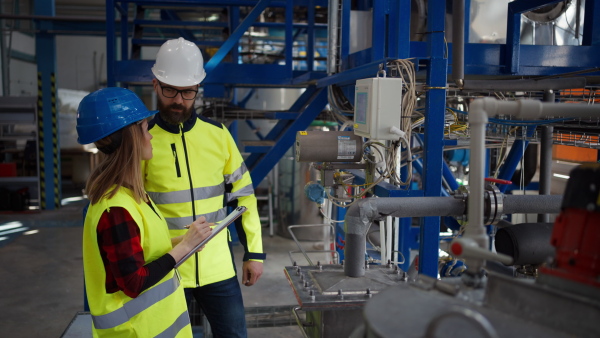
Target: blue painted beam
(169,19)
(385,189)
(399,29)
(435,107)
(159,42)
(236,35)
(591,23)
(513,30)
(378,32)
(111,38)
(404,241)
(514,156)
(350,76)
(310,37)
(223,3)
(234,22)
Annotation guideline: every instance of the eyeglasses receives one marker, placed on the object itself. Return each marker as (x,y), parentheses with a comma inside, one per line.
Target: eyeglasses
(170,92)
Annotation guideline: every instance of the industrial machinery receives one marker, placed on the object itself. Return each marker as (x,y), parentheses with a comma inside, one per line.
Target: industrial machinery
(426,178)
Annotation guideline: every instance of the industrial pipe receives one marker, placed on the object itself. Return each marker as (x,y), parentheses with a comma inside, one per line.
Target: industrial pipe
(524,85)
(363,213)
(545,166)
(478,118)
(526,243)
(332,36)
(525,204)
(458,42)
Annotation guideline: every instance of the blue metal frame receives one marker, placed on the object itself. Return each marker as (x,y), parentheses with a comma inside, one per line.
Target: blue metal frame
(514,156)
(435,108)
(236,35)
(390,40)
(513,30)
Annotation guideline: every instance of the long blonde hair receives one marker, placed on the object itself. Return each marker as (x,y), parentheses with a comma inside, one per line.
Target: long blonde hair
(121,168)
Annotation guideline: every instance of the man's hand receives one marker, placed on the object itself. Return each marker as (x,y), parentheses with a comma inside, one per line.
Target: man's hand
(251,272)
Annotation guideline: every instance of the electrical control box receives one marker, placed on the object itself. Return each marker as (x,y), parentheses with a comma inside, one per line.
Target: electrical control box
(378,107)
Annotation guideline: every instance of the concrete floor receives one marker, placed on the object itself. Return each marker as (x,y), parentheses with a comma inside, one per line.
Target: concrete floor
(41,276)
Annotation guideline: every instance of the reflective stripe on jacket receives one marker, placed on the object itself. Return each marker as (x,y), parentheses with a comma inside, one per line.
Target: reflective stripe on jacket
(159,311)
(196,169)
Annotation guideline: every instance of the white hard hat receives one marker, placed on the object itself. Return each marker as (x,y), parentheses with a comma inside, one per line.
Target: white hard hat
(179,63)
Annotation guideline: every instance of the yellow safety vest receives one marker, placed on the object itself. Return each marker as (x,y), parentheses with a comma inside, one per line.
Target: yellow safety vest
(159,311)
(196,170)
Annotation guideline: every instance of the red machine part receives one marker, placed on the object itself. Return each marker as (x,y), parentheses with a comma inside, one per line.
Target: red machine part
(576,236)
(576,232)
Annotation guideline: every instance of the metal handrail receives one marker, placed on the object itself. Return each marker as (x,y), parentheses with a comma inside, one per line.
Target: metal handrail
(298,243)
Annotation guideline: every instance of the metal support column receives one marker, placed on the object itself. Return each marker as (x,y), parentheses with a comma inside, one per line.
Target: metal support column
(48,143)
(435,104)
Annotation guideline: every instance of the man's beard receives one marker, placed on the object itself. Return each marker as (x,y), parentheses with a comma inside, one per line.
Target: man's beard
(172,117)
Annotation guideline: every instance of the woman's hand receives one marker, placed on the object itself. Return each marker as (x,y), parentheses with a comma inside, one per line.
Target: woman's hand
(197,232)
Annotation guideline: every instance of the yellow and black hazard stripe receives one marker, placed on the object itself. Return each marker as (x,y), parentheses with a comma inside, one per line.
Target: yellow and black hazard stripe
(41,153)
(41,143)
(55,147)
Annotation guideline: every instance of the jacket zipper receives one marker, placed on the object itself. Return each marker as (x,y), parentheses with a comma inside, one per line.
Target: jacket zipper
(187,164)
(177,169)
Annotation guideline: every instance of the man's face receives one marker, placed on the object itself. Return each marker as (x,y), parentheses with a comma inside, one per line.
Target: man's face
(175,104)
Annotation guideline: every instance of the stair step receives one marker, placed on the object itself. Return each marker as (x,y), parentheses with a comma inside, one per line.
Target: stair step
(258,146)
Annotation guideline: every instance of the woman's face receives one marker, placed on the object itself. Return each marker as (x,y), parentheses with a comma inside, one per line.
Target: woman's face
(147,145)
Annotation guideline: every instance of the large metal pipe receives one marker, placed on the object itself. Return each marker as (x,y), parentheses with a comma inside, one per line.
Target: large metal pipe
(363,213)
(458,42)
(545,167)
(533,204)
(524,85)
(332,36)
(526,243)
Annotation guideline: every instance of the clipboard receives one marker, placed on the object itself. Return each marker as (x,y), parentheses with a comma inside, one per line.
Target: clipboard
(235,214)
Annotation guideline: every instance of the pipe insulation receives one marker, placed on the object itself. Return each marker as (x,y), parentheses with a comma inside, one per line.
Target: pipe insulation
(361,215)
(532,204)
(526,243)
(525,84)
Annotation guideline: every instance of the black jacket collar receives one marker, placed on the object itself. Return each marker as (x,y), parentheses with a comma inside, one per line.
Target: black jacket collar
(174,128)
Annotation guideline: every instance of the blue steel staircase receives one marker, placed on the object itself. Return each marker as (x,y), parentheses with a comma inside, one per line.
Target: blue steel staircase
(218,33)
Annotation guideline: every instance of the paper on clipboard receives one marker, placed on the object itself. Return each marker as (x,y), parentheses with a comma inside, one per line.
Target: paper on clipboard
(235,214)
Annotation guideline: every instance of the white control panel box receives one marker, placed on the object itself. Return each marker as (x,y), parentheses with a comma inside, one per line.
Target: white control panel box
(378,107)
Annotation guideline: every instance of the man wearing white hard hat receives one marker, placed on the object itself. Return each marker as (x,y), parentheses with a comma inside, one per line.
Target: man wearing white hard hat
(197,170)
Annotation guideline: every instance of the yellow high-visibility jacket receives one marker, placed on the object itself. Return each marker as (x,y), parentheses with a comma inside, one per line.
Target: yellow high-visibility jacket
(160,310)
(196,170)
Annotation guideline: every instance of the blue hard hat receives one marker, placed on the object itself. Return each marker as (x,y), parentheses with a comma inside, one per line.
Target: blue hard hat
(107,110)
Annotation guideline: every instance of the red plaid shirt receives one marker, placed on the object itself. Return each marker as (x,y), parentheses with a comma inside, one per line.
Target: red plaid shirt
(123,256)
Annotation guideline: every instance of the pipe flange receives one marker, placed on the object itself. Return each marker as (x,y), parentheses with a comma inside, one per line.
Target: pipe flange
(493,205)
(462,193)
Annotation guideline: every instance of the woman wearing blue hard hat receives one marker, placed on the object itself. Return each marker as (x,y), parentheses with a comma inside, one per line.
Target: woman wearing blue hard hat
(128,256)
